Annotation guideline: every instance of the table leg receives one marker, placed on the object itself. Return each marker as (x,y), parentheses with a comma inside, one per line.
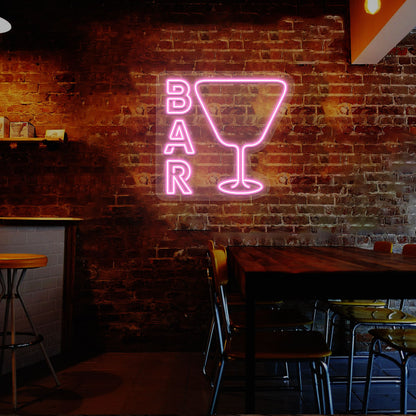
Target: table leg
(250,348)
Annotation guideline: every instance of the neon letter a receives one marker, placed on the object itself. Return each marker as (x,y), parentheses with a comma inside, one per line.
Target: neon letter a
(179,137)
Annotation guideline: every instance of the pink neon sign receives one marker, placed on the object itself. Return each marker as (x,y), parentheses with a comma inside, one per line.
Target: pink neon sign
(178,99)
(180,130)
(178,173)
(240,185)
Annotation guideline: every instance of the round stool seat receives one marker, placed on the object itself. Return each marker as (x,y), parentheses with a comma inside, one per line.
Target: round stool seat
(22,261)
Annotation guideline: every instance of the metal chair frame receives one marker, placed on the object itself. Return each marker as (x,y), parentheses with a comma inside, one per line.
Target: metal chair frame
(319,370)
(404,356)
(297,321)
(351,355)
(225,334)
(377,351)
(381,247)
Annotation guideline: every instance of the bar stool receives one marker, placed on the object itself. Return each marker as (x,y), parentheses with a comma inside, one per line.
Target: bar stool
(16,266)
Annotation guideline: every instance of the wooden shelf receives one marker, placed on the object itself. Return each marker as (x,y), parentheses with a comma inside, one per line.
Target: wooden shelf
(37,219)
(31,140)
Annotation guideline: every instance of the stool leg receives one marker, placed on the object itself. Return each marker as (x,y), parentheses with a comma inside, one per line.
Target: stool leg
(13,341)
(5,295)
(18,296)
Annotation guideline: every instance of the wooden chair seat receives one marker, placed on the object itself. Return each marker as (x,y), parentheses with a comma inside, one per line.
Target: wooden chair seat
(356,302)
(398,338)
(270,318)
(286,345)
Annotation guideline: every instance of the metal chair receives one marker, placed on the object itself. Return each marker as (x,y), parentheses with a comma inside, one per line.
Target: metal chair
(404,342)
(400,340)
(281,345)
(268,315)
(372,316)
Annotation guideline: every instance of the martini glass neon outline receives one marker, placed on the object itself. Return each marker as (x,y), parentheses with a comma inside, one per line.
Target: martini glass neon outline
(241,185)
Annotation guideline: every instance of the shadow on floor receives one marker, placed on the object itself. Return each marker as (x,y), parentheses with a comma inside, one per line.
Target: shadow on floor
(171,383)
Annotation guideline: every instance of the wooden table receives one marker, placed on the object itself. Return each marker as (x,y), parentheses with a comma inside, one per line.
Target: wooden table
(314,272)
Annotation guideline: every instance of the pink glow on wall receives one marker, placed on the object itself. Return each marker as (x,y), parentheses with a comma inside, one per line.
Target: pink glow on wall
(181,101)
(179,137)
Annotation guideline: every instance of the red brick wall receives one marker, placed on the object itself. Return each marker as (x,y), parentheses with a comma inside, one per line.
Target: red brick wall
(341,165)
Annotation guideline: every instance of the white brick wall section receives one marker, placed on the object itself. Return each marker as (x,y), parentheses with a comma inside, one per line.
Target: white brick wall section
(41,289)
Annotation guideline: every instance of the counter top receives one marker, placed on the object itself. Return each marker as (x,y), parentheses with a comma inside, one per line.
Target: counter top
(38,219)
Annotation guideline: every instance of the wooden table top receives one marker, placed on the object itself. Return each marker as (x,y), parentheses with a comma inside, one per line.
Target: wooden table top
(323,270)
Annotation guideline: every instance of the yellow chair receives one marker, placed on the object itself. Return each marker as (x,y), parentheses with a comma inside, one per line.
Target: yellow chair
(273,315)
(404,342)
(401,340)
(281,345)
(369,315)
(268,315)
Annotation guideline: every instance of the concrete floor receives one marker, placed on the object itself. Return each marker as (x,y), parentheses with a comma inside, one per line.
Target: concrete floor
(167,383)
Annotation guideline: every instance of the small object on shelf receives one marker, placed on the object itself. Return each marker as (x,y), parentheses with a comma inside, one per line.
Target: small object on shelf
(4,127)
(55,135)
(22,129)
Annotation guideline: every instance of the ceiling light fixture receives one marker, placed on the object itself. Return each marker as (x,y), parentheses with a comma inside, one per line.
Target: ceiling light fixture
(5,26)
(372,6)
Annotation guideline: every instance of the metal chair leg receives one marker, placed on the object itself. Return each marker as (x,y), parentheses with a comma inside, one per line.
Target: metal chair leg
(404,382)
(208,346)
(315,385)
(326,384)
(369,375)
(351,368)
(217,384)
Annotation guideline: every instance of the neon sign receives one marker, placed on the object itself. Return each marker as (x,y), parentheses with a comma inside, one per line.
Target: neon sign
(197,113)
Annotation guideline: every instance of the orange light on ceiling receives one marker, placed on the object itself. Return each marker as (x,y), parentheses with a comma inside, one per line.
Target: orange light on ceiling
(372,6)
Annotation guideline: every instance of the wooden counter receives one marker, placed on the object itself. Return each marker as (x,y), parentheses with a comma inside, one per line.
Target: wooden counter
(70,224)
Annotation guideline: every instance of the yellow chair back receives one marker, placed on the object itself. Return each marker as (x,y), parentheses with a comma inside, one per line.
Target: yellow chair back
(218,257)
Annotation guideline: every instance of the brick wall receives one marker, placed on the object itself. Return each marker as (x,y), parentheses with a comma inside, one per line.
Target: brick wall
(341,165)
